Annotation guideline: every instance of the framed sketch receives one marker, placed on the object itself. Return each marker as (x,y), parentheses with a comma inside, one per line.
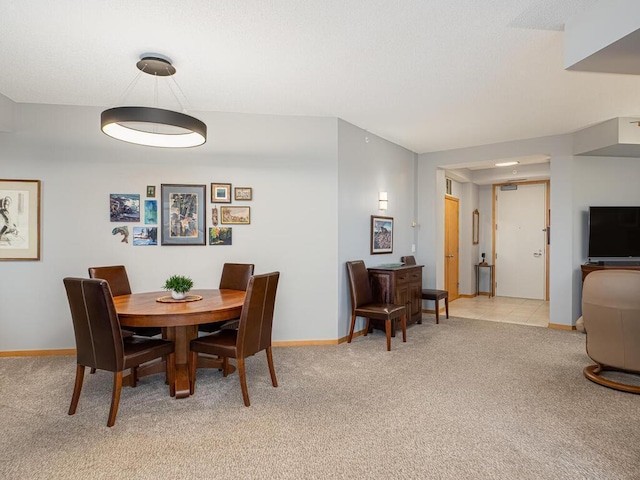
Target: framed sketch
(145,236)
(220,193)
(381,234)
(151,191)
(183,214)
(235,215)
(124,207)
(19,219)
(150,212)
(243,193)
(220,235)
(475,236)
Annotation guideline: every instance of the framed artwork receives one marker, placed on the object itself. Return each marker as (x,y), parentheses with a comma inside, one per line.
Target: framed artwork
(19,219)
(243,193)
(151,191)
(145,236)
(220,193)
(183,214)
(475,227)
(381,234)
(124,207)
(150,212)
(235,215)
(220,235)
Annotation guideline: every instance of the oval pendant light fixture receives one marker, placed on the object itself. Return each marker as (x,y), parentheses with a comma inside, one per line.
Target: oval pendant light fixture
(150,126)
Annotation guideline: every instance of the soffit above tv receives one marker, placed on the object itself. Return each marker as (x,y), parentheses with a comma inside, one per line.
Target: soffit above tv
(617,137)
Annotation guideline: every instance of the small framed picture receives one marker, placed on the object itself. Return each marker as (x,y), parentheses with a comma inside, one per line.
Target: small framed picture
(19,220)
(220,193)
(381,234)
(220,236)
(124,207)
(243,193)
(145,236)
(151,191)
(235,215)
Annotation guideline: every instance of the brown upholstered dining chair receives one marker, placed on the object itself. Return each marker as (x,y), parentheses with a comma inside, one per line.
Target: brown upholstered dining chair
(252,336)
(99,342)
(235,276)
(611,315)
(363,304)
(118,280)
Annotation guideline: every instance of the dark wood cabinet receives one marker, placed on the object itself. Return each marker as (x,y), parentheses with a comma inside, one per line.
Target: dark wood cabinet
(401,285)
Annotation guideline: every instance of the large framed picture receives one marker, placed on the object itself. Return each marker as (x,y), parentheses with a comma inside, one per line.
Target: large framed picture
(381,234)
(183,214)
(235,215)
(19,219)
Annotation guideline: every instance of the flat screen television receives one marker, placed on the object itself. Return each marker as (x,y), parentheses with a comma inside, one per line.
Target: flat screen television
(614,232)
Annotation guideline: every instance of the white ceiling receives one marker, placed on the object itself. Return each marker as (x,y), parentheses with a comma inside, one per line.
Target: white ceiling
(426,74)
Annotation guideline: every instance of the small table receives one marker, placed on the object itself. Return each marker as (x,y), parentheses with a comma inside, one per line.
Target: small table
(491,291)
(179,322)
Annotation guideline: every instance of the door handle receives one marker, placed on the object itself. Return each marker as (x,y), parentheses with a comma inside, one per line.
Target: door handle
(537,254)
(449,256)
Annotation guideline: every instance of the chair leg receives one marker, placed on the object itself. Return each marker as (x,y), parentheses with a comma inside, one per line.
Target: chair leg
(446,305)
(437,311)
(243,382)
(115,398)
(77,388)
(134,377)
(403,321)
(171,374)
(193,364)
(272,370)
(353,324)
(92,371)
(225,366)
(387,329)
(366,327)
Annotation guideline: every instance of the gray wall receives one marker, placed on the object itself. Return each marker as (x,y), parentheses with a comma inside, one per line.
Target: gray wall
(293,165)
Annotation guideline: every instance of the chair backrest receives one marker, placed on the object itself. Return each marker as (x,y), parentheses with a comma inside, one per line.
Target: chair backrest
(116,276)
(359,285)
(611,313)
(95,323)
(408,260)
(235,276)
(256,320)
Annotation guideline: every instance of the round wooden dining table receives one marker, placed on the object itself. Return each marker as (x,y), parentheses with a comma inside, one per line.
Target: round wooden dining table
(179,321)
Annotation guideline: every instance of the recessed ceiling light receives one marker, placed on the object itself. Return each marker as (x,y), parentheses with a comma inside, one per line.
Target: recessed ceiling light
(506,164)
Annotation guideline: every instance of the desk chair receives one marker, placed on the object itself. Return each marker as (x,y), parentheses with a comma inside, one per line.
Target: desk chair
(252,336)
(363,305)
(431,293)
(99,342)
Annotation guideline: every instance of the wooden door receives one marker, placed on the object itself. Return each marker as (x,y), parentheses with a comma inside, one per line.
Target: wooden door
(451,235)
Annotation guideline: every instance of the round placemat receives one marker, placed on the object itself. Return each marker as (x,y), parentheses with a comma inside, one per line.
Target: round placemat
(170,299)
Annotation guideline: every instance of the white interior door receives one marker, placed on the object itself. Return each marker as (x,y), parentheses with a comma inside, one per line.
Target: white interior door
(521,242)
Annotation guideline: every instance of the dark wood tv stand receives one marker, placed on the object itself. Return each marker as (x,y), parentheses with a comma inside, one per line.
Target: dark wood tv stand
(587,268)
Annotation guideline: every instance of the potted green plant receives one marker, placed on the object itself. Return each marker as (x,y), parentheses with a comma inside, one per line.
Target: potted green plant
(179,285)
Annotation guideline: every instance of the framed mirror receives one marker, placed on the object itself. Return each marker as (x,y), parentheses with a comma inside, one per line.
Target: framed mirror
(476,227)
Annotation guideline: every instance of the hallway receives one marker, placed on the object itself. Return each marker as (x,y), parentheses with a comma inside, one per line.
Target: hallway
(522,311)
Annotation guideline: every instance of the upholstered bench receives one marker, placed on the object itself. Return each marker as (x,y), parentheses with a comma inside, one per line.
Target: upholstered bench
(436,296)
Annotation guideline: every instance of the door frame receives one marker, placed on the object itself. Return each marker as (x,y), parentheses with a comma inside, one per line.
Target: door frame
(547,221)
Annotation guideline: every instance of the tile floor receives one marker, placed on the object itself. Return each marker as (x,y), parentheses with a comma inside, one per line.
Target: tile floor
(501,309)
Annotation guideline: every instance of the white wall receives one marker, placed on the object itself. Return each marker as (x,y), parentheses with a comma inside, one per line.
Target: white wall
(368,165)
(301,223)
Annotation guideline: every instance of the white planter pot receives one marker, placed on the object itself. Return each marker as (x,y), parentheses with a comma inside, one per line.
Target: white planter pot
(178,295)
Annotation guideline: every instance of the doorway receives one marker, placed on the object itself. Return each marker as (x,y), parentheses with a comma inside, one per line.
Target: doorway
(451,247)
(520,241)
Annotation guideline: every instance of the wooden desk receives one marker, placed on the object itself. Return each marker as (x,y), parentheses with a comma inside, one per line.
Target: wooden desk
(491,268)
(179,321)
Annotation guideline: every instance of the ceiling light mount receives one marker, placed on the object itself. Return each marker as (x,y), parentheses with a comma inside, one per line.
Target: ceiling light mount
(151,126)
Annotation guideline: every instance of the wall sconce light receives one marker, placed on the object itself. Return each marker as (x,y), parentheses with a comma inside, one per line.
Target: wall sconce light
(382,201)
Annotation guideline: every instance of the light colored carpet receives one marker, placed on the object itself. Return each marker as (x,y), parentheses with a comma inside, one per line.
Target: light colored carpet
(461,400)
